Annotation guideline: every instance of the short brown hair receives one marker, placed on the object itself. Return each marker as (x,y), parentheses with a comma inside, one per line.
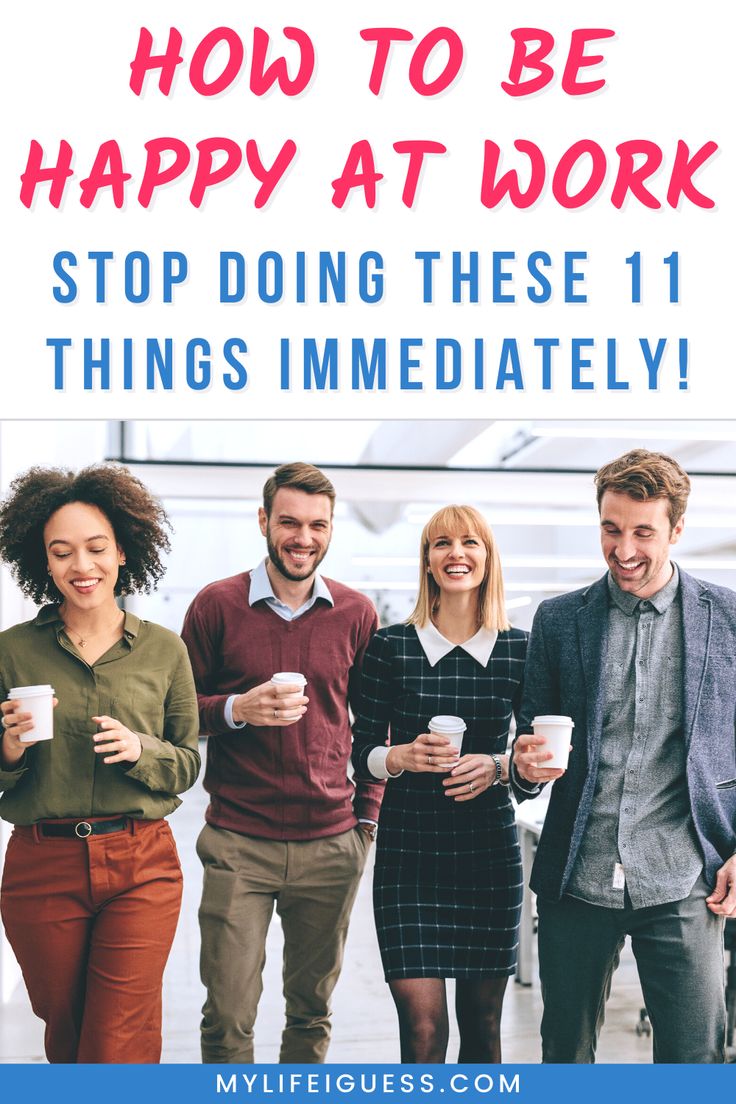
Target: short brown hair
(302,477)
(458,521)
(641,475)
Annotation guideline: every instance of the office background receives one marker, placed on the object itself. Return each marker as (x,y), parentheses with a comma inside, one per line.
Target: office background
(532,480)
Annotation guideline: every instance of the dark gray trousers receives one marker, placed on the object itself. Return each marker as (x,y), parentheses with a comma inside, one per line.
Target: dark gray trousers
(679,955)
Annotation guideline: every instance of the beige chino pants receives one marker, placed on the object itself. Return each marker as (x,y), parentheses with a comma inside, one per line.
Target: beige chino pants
(312,884)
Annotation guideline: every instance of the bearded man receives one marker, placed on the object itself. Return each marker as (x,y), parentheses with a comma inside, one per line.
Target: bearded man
(286,827)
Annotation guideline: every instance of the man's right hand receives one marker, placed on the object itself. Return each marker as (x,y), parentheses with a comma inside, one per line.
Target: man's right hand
(275,706)
(529,758)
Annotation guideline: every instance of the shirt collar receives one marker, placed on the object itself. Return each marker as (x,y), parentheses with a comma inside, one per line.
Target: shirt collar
(662,600)
(51,615)
(131,625)
(261,589)
(436,646)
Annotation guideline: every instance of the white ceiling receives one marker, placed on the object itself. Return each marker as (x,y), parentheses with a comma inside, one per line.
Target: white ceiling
(533,480)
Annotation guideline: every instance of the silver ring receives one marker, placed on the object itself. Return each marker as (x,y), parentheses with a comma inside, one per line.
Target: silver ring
(471,787)
(275,712)
(429,760)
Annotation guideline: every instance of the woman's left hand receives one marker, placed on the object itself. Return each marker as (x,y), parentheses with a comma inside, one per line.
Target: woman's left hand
(117,742)
(471,775)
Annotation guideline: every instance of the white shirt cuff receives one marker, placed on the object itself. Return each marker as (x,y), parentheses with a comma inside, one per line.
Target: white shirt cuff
(229,720)
(376,763)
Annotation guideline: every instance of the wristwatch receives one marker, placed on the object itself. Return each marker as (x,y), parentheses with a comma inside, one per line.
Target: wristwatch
(369,829)
(499,779)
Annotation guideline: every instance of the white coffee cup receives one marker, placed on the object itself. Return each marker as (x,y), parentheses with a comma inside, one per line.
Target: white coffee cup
(39,702)
(557,732)
(451,727)
(288,678)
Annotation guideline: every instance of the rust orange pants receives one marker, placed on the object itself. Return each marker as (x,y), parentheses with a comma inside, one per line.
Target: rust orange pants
(91,922)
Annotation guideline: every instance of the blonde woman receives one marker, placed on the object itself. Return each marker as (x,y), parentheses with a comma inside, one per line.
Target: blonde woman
(447,886)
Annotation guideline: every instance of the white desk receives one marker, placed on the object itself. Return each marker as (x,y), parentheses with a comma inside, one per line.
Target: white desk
(529,820)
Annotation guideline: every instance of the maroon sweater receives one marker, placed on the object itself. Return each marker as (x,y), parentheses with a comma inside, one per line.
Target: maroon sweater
(280,783)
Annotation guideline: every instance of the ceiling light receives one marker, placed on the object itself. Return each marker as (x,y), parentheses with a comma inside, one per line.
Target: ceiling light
(517,603)
(633,431)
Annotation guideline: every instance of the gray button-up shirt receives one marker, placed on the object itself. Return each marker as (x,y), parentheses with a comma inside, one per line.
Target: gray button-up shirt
(640,819)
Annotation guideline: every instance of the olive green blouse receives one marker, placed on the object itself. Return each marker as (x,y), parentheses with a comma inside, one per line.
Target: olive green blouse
(144,681)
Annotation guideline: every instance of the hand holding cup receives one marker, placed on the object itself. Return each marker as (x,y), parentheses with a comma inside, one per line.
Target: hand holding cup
(431,752)
(542,756)
(25,721)
(276,703)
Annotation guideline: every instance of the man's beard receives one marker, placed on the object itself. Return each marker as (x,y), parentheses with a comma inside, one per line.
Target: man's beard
(281,567)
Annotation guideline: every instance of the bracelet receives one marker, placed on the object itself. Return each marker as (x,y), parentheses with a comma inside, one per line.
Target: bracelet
(498,780)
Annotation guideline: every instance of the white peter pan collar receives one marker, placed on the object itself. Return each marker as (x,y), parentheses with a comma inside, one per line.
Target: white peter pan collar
(436,646)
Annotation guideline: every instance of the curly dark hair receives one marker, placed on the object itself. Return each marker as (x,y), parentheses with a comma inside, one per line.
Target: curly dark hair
(138,521)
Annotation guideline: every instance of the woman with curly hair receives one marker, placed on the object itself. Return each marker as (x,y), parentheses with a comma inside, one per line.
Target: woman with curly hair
(91,888)
(447,883)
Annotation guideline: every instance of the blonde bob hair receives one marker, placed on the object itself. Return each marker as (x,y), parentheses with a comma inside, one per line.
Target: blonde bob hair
(454,521)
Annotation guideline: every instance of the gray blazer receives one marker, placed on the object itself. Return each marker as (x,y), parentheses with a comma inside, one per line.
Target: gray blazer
(565,661)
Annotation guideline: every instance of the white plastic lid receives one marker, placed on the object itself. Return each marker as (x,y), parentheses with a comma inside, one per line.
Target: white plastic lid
(289,677)
(552,719)
(443,725)
(39,691)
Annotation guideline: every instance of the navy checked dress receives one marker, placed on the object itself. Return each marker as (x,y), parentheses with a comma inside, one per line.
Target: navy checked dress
(448,882)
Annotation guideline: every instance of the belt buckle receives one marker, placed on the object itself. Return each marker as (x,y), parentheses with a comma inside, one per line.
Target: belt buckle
(83,829)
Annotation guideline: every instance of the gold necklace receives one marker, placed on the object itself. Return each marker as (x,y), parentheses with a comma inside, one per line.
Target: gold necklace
(84,640)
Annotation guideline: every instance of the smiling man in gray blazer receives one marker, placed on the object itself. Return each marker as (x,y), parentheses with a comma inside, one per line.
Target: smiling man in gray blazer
(640,835)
